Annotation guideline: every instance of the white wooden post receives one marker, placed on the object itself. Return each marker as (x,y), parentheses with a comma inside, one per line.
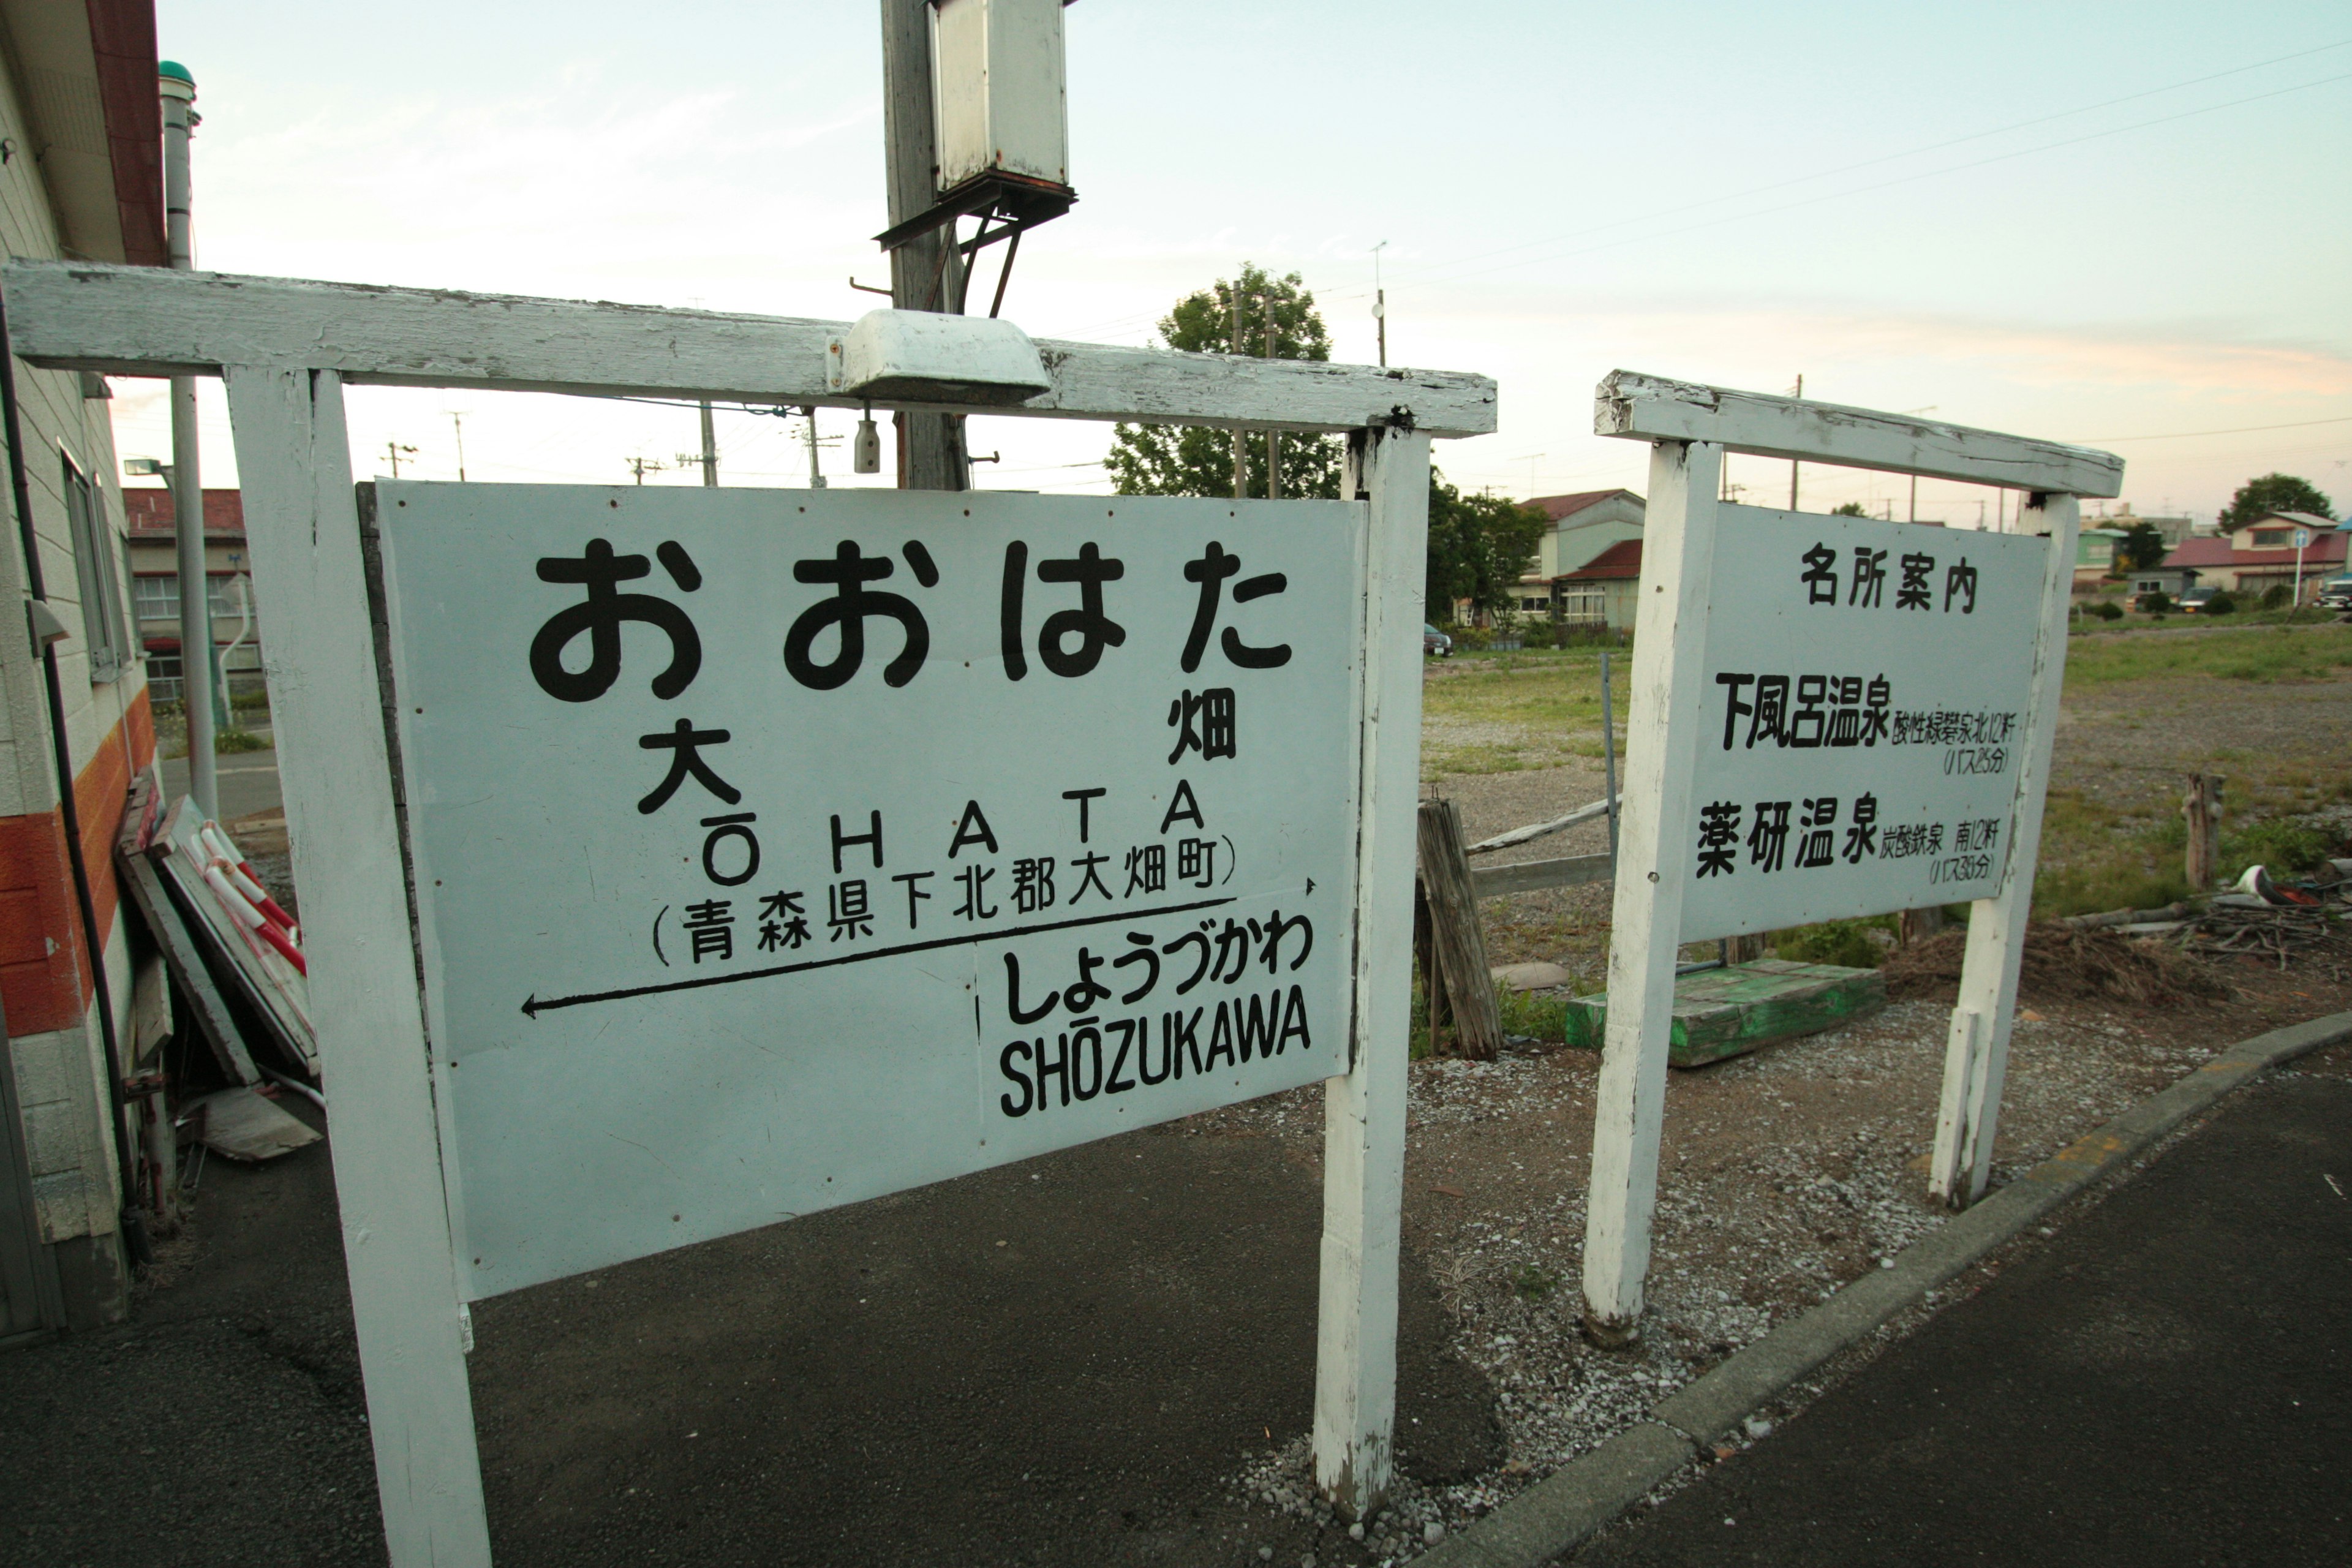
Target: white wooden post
(1363,1139)
(1654,853)
(1976,1059)
(293,459)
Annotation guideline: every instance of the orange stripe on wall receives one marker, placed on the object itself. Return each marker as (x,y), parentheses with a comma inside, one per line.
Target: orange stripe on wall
(44,974)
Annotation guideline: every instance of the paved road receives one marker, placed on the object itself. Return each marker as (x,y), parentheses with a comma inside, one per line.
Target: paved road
(247,779)
(2169,1381)
(1059,1363)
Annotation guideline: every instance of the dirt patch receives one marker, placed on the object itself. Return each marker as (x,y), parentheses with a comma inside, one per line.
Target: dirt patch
(2060,963)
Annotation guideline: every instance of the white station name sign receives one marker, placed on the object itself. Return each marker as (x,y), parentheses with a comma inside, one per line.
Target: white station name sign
(776,848)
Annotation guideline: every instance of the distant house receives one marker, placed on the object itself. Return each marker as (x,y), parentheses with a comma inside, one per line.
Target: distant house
(1583,527)
(2167,580)
(2094,556)
(2171,530)
(155,587)
(2259,555)
(1604,591)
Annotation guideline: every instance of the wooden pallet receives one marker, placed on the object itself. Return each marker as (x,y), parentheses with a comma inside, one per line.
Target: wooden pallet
(1722,1012)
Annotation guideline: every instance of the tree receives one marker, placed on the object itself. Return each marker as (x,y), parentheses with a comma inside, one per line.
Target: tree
(1166,460)
(1478,547)
(2142,546)
(1850,508)
(2257,499)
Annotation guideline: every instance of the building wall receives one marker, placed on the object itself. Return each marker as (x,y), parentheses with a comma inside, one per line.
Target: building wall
(1574,540)
(44,969)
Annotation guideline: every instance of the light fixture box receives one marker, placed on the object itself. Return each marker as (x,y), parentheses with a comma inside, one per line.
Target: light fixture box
(923,356)
(997,79)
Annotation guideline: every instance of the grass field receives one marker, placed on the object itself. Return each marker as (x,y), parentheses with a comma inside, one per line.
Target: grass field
(2262,653)
(2266,704)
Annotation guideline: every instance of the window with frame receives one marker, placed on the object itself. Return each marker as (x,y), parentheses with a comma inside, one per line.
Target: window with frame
(2272,538)
(156,599)
(98,586)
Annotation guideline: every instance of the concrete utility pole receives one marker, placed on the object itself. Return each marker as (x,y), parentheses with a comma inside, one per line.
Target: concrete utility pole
(710,448)
(393,449)
(196,692)
(927,272)
(1800,392)
(816,474)
(1381,303)
(639,465)
(1240,437)
(1272,438)
(457,422)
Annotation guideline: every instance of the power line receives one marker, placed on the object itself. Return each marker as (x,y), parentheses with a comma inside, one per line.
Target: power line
(2239,430)
(1908,179)
(1912,153)
(1439,271)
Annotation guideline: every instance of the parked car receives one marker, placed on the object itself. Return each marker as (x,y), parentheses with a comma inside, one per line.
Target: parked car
(2336,594)
(1434,641)
(2193,600)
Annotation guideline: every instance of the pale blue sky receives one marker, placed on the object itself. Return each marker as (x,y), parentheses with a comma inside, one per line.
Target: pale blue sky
(1733,194)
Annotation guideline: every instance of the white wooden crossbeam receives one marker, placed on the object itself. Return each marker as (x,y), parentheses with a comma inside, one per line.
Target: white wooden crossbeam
(1652,408)
(147,321)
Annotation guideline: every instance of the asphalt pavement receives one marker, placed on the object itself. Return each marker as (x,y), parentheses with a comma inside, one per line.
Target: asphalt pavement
(1063,1362)
(2166,1380)
(248,782)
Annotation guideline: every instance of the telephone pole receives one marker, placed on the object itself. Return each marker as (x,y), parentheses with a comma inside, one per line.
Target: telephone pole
(1799,392)
(927,271)
(1272,438)
(1381,303)
(457,422)
(816,478)
(393,449)
(710,448)
(639,465)
(1241,438)
(196,686)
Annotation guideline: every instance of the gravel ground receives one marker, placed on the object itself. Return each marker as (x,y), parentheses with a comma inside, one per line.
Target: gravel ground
(1784,1176)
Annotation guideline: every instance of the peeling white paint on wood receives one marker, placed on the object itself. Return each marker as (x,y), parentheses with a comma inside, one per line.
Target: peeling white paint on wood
(1655,408)
(144,321)
(293,459)
(1653,825)
(1364,1112)
(1976,1060)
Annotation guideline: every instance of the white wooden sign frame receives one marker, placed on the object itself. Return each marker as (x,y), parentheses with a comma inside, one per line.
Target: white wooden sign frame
(286,349)
(1690,429)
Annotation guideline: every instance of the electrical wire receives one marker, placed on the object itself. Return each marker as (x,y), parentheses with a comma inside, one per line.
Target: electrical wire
(1444,270)
(1410,272)
(2239,430)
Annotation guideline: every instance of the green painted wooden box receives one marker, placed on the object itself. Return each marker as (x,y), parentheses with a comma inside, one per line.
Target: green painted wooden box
(1722,1012)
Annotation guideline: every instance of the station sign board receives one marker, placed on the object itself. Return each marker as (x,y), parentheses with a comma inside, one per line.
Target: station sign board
(1865,704)
(775,849)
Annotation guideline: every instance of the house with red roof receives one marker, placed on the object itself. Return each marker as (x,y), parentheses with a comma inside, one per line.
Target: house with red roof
(1584,526)
(1605,590)
(2255,557)
(153,555)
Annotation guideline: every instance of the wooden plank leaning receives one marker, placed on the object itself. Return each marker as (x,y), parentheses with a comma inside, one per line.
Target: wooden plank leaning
(1363,1140)
(293,458)
(1975,1057)
(1669,657)
(1532,876)
(1457,946)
